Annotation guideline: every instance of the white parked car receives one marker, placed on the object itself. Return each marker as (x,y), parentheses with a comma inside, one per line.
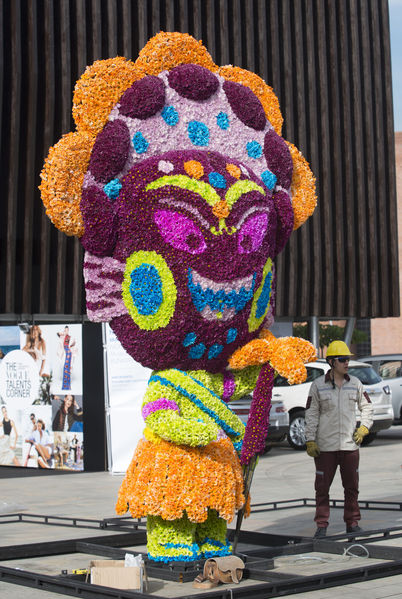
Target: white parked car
(389,367)
(278,418)
(295,398)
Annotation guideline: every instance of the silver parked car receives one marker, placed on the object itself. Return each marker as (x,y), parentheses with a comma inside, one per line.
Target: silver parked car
(389,367)
(278,418)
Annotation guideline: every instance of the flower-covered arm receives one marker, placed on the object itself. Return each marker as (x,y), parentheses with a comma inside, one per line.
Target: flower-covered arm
(230,386)
(162,414)
(240,383)
(287,355)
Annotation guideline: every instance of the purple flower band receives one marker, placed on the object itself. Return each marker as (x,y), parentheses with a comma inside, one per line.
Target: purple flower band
(229,385)
(159,404)
(258,420)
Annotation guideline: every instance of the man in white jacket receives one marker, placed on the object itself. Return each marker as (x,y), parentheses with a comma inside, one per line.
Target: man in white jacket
(332,437)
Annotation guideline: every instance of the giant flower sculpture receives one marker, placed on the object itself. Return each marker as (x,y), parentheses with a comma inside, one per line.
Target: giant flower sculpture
(182,191)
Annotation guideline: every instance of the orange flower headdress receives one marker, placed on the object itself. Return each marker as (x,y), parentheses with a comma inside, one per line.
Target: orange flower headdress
(97,92)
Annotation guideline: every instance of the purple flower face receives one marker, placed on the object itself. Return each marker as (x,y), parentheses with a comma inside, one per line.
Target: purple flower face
(180,243)
(195,235)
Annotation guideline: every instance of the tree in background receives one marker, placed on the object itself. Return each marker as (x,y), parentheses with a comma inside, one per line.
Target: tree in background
(328,333)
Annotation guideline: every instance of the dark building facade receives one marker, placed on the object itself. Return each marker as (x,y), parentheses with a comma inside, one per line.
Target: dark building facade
(328,62)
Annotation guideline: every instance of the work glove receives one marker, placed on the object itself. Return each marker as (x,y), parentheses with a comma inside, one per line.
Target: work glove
(312,449)
(360,433)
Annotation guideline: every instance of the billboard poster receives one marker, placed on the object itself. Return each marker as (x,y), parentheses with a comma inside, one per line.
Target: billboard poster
(126,383)
(41,400)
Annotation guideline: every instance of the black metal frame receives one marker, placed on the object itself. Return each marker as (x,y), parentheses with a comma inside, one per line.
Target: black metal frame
(287,504)
(257,550)
(128,523)
(125,523)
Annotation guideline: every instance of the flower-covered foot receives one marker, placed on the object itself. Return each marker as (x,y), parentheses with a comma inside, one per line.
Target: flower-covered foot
(172,541)
(214,548)
(211,536)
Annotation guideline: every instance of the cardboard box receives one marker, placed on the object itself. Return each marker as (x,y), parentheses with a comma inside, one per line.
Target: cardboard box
(112,573)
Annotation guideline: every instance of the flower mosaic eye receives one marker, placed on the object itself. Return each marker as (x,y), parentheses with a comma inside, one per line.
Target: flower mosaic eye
(180,232)
(252,233)
(148,290)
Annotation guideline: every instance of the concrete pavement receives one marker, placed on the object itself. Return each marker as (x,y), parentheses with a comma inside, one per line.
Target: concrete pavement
(282,474)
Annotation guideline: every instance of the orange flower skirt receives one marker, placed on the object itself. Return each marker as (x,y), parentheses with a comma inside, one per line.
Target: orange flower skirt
(167,480)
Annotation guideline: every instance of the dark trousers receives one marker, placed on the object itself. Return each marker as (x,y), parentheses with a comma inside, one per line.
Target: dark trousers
(326,465)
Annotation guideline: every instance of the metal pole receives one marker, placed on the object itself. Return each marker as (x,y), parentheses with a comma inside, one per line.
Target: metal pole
(107,399)
(314,332)
(248,478)
(350,326)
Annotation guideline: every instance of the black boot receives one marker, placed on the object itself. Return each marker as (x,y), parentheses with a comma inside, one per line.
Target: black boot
(321,532)
(350,529)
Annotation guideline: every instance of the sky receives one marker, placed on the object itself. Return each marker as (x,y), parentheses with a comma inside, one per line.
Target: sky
(395,19)
(10,335)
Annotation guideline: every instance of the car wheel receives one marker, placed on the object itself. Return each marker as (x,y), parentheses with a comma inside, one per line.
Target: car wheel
(369,438)
(267,449)
(296,435)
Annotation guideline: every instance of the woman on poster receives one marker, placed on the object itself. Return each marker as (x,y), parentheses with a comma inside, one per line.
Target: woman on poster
(7,455)
(67,343)
(30,429)
(35,346)
(41,440)
(69,416)
(79,451)
(74,448)
(60,450)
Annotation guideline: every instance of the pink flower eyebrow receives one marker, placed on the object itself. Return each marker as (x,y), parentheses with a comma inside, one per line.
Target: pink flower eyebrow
(192,209)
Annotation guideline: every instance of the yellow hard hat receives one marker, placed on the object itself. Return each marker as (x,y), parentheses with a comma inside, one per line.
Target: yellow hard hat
(338,348)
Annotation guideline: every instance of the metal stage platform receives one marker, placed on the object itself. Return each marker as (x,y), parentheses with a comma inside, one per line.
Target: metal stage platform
(258,550)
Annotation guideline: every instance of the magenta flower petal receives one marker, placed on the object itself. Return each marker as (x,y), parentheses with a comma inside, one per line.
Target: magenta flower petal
(144,98)
(246,106)
(193,82)
(110,152)
(278,158)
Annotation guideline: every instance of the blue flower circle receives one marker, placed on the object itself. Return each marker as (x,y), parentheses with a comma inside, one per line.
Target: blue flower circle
(189,339)
(222,120)
(198,133)
(140,143)
(231,335)
(214,351)
(170,115)
(146,289)
(112,189)
(217,180)
(269,179)
(197,351)
(254,149)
